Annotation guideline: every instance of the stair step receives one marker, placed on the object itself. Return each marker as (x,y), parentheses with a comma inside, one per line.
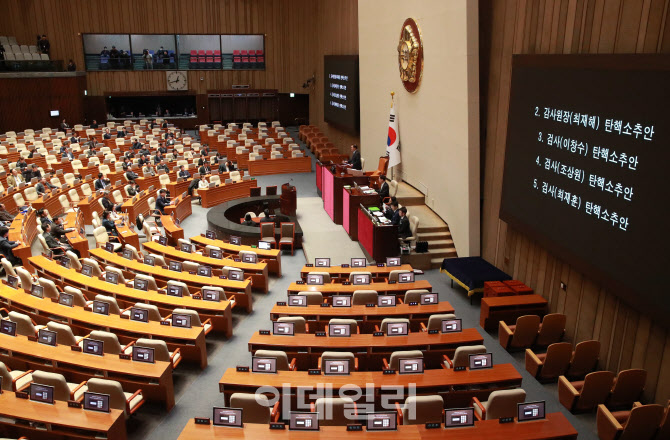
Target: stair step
(430,229)
(439,244)
(428,236)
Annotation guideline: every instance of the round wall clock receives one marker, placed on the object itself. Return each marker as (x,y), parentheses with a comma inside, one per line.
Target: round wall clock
(410,55)
(176,80)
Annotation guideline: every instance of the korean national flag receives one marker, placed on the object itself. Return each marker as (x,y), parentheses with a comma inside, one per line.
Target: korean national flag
(393,140)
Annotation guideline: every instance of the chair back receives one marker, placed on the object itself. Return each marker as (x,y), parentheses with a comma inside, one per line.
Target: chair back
(161,352)
(435,321)
(313,298)
(86,189)
(525,332)
(110,342)
(462,354)
(7,378)
(282,358)
(64,202)
(74,195)
(339,355)
(503,403)
(114,308)
(100,234)
(395,274)
(584,359)
(151,282)
(664,429)
(117,398)
(333,411)
(255,407)
(30,194)
(551,329)
(363,297)
(96,272)
(154,314)
(25,278)
(628,388)
(557,360)
(326,276)
(405,354)
(184,287)
(299,323)
(195,318)
(643,422)
(419,410)
(386,321)
(61,390)
(9,269)
(597,386)
(50,290)
(117,271)
(64,335)
(267,230)
(288,230)
(352,323)
(358,272)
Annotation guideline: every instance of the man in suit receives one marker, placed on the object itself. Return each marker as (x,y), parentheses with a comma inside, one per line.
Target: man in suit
(68,154)
(94,125)
(170,140)
(148,169)
(5,216)
(136,145)
(21,164)
(64,126)
(107,134)
(100,183)
(58,232)
(43,185)
(395,218)
(43,217)
(74,139)
(355,160)
(6,247)
(108,204)
(162,166)
(184,173)
(158,158)
(162,201)
(30,172)
(130,175)
(15,178)
(165,124)
(120,133)
(384,188)
(404,230)
(204,169)
(108,223)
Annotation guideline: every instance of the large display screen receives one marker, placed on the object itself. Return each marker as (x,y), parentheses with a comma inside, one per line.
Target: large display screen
(585,167)
(341,106)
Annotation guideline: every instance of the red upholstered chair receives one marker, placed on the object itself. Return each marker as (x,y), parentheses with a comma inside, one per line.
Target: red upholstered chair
(201,56)
(244,53)
(217,53)
(252,52)
(194,53)
(245,62)
(236,53)
(259,52)
(209,53)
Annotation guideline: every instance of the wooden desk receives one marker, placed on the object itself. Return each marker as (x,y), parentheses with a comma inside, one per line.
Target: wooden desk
(182,207)
(218,312)
(241,289)
(225,192)
(509,308)
(352,198)
(24,230)
(190,341)
(555,427)
(367,317)
(155,380)
(80,243)
(280,166)
(457,388)
(177,188)
(342,273)
(258,271)
(369,349)
(272,256)
(377,241)
(148,182)
(329,290)
(138,206)
(61,421)
(173,232)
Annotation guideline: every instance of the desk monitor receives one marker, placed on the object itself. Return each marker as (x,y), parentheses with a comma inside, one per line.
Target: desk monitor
(66,299)
(163,241)
(42,393)
(341,301)
(406,277)
(303,421)
(428,299)
(210,295)
(250,258)
(87,270)
(101,307)
(314,279)
(264,245)
(141,284)
(96,402)
(381,421)
(530,411)
(137,314)
(93,346)
(231,417)
(173,290)
(359,262)
(149,260)
(112,277)
(216,253)
(410,366)
(12,281)
(7,327)
(181,320)
(204,271)
(386,301)
(297,300)
(65,262)
(127,254)
(283,328)
(336,367)
(339,330)
(361,279)
(393,261)
(37,290)
(174,266)
(459,417)
(236,275)
(210,234)
(480,361)
(237,241)
(109,247)
(397,329)
(143,354)
(451,325)
(263,364)
(322,262)
(46,337)
(186,247)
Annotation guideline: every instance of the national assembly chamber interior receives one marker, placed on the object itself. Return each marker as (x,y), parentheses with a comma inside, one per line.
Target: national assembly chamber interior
(452,208)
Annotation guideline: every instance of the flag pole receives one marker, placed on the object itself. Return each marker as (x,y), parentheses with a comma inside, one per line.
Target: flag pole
(392,97)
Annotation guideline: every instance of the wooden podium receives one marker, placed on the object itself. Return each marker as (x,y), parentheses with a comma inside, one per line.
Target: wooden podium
(288,200)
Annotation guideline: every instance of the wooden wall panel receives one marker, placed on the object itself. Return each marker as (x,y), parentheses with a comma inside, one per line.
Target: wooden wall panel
(628,339)
(297,35)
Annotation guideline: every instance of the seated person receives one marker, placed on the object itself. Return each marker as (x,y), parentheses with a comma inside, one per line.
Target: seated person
(162,201)
(7,245)
(131,175)
(163,166)
(205,169)
(54,234)
(108,204)
(107,134)
(100,182)
(404,230)
(134,189)
(95,123)
(43,217)
(43,185)
(248,221)
(148,169)
(383,188)
(5,216)
(184,173)
(31,172)
(108,223)
(136,145)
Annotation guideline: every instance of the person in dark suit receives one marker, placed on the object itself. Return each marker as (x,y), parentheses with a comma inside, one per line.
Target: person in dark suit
(108,223)
(100,182)
(165,124)
(68,154)
(395,218)
(404,230)
(107,135)
(43,185)
(58,232)
(205,169)
(64,126)
(56,246)
(5,216)
(184,173)
(108,204)
(384,188)
(104,53)
(43,217)
(131,175)
(162,201)
(94,125)
(248,222)
(31,172)
(74,139)
(21,164)
(355,160)
(136,145)
(6,247)
(121,133)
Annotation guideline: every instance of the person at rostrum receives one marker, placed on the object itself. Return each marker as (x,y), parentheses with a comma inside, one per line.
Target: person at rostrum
(355,160)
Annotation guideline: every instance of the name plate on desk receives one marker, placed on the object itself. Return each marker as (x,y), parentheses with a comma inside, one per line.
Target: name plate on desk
(124,356)
(433,331)
(281,303)
(242,369)
(378,334)
(459,368)
(277,425)
(388,371)
(325,304)
(75,348)
(346,266)
(32,338)
(392,282)
(165,322)
(506,420)
(300,282)
(346,283)
(433,425)
(314,372)
(263,332)
(309,265)
(370,305)
(73,404)
(320,334)
(202,420)
(380,264)
(197,296)
(355,428)
(21,395)
(223,277)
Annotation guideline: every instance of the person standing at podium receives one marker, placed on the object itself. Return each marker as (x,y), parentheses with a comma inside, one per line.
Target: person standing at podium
(355,160)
